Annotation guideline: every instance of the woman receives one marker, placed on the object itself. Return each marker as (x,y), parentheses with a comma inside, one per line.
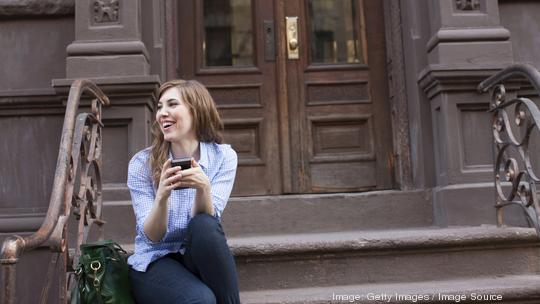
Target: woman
(181,253)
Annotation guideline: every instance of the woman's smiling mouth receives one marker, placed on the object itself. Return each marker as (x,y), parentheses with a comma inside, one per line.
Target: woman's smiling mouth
(167,125)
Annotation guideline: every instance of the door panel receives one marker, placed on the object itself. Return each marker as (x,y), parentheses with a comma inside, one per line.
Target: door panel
(318,123)
(226,55)
(338,88)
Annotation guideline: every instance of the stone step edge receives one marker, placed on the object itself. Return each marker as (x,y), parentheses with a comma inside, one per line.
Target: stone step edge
(380,240)
(509,288)
(275,198)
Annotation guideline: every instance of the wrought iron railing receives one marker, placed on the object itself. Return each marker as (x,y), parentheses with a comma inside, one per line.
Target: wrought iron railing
(515,178)
(76,190)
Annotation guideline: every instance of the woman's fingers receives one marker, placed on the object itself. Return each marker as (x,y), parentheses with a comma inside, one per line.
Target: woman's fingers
(173,186)
(172,179)
(177,184)
(181,180)
(192,171)
(172,170)
(166,173)
(187,172)
(166,166)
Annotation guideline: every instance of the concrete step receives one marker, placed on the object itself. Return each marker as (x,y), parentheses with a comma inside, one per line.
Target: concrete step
(387,256)
(287,214)
(522,289)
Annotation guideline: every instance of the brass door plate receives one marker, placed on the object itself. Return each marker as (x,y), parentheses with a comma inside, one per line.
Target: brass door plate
(291,24)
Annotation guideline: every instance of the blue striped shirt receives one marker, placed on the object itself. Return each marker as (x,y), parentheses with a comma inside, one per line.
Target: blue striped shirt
(217,161)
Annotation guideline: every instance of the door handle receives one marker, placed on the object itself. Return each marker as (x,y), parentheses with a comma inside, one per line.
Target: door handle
(291,24)
(293,44)
(269,45)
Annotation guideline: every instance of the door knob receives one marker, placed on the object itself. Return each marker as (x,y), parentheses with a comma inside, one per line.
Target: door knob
(293,44)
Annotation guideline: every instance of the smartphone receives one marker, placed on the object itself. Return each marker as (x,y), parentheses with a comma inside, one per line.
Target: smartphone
(185,163)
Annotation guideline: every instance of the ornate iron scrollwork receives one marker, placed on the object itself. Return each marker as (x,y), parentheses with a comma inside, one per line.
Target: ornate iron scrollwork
(76,189)
(514,121)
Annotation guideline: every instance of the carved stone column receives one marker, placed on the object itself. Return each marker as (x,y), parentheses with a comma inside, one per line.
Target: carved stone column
(109,50)
(108,40)
(468,44)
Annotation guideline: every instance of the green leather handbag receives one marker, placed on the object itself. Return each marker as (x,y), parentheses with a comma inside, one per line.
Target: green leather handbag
(102,275)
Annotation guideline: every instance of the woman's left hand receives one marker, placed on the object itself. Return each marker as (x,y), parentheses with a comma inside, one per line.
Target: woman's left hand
(195,177)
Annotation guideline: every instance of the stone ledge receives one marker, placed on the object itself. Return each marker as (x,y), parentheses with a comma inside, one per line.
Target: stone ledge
(431,238)
(445,35)
(309,213)
(513,289)
(427,238)
(26,8)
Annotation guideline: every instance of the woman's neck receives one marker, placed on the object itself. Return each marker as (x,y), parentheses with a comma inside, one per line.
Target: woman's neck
(185,148)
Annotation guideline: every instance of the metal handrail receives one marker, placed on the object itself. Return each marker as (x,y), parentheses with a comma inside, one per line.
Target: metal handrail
(81,142)
(513,163)
(525,70)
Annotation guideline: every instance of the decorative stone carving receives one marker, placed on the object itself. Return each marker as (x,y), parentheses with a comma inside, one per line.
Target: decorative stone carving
(467,5)
(105,11)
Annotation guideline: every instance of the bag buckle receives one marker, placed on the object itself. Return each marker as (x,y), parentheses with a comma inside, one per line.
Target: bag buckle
(95,266)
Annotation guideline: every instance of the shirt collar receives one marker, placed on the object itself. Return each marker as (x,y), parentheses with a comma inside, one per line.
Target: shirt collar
(203,151)
(203,160)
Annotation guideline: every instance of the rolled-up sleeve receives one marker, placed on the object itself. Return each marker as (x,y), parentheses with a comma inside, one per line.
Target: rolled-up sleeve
(142,192)
(222,183)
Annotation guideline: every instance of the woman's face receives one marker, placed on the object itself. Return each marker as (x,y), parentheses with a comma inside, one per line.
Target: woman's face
(174,117)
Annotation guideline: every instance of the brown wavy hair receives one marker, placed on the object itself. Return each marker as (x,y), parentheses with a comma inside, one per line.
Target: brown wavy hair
(206,121)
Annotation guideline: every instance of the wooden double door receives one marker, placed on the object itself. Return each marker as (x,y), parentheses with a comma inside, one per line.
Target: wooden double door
(301,86)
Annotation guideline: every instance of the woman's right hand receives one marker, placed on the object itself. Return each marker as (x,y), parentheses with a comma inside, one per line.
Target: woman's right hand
(171,178)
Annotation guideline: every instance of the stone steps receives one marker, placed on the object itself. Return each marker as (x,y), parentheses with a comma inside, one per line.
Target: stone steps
(522,289)
(299,248)
(290,214)
(292,261)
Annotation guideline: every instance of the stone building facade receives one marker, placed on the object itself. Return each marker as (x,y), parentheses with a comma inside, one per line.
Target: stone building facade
(360,113)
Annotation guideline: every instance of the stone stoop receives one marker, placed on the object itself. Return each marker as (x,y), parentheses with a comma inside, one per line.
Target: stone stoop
(308,267)
(515,289)
(305,248)
(291,214)
(389,256)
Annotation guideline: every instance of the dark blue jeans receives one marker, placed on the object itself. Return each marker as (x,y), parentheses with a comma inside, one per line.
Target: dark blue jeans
(206,273)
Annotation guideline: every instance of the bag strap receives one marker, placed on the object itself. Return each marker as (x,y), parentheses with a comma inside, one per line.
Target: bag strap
(119,248)
(104,243)
(97,244)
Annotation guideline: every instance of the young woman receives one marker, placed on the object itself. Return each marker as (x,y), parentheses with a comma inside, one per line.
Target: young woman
(181,253)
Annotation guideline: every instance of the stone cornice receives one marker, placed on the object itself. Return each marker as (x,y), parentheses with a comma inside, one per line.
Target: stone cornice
(129,90)
(468,34)
(124,91)
(101,48)
(20,101)
(435,79)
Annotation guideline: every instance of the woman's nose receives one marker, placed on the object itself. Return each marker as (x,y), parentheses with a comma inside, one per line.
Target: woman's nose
(163,112)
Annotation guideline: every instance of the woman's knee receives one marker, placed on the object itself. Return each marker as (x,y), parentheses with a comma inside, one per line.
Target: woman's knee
(204,222)
(205,229)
